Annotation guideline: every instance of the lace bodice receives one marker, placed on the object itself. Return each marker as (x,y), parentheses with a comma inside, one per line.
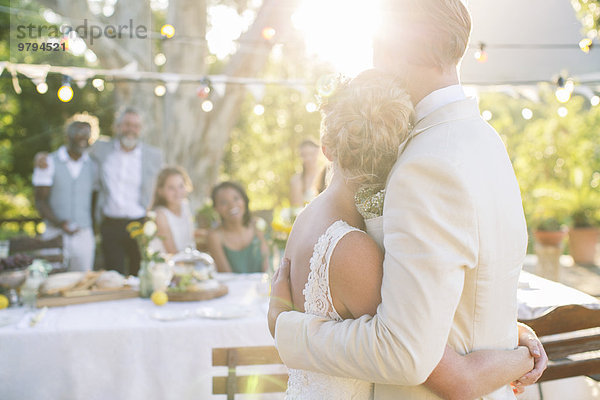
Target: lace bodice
(308,385)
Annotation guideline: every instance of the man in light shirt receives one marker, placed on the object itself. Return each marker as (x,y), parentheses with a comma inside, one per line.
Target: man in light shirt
(63,197)
(128,170)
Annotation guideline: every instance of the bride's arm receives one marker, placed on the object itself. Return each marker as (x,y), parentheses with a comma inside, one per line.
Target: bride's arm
(476,374)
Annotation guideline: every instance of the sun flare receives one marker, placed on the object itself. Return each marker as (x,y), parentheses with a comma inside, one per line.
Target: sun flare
(339,31)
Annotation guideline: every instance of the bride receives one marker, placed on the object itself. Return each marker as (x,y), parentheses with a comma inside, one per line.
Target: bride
(337,267)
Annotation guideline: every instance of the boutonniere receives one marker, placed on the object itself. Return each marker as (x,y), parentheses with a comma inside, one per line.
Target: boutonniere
(369,202)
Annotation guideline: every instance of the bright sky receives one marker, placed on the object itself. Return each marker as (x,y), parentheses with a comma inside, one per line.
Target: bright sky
(338,31)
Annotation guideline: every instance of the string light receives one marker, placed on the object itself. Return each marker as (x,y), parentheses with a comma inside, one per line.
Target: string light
(98,84)
(207,106)
(565,90)
(167,31)
(563,112)
(527,113)
(203,91)
(481,55)
(160,90)
(259,109)
(586,45)
(595,101)
(42,87)
(65,93)
(487,115)
(311,107)
(160,59)
(268,33)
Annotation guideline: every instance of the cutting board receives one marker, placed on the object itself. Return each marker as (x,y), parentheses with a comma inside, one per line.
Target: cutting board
(205,294)
(87,296)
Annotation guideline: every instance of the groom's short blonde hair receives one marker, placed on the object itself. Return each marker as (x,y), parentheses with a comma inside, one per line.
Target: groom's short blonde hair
(427,32)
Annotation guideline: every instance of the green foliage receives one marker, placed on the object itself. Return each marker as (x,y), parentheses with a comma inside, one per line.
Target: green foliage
(589,13)
(262,153)
(32,122)
(556,160)
(549,225)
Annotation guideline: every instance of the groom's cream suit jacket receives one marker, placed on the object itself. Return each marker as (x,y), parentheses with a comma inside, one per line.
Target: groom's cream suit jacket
(455,240)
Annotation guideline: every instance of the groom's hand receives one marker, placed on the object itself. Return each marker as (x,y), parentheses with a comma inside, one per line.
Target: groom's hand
(529,339)
(281,294)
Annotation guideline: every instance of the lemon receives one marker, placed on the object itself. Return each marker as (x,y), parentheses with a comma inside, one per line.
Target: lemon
(3,301)
(159,298)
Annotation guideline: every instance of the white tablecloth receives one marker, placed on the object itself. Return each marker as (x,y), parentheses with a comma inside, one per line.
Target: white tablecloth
(538,296)
(115,350)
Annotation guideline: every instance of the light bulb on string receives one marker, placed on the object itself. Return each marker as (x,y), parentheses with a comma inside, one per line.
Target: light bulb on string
(41,87)
(98,84)
(167,31)
(595,101)
(565,90)
(65,92)
(203,91)
(259,109)
(481,55)
(311,107)
(527,113)
(160,59)
(563,112)
(207,106)
(586,45)
(487,115)
(268,33)
(160,90)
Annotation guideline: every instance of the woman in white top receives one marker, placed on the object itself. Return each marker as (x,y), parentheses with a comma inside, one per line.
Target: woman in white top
(174,219)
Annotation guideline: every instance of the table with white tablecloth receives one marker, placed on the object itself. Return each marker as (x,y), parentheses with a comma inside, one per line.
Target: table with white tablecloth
(118,350)
(121,350)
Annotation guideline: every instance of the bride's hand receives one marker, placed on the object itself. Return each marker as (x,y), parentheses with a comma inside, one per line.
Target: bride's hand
(281,294)
(529,339)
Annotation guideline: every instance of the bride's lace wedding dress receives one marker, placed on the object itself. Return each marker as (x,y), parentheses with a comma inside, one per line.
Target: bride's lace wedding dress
(308,385)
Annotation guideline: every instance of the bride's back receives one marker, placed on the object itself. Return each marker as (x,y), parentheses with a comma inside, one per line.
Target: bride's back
(310,225)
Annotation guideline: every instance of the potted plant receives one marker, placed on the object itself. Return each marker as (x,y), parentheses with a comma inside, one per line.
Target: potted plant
(550,232)
(583,236)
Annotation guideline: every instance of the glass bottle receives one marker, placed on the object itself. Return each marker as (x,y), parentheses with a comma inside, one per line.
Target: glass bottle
(145,276)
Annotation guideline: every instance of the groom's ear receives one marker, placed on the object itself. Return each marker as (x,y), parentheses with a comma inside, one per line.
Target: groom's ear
(326,153)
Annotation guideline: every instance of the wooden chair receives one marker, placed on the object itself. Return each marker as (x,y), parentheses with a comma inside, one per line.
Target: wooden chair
(233,357)
(579,353)
(50,250)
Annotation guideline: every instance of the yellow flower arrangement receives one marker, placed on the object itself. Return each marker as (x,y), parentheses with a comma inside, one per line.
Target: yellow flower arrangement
(143,235)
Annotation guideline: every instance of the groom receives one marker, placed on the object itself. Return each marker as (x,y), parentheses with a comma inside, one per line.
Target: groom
(454,230)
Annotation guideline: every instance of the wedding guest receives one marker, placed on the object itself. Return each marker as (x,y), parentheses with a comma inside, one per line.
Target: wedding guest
(174,219)
(127,168)
(306,185)
(63,196)
(236,245)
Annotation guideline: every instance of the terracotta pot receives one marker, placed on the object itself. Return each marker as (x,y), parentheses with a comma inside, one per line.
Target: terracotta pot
(550,238)
(582,245)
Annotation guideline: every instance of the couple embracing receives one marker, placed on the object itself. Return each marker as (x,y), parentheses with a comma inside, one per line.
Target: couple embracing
(404,270)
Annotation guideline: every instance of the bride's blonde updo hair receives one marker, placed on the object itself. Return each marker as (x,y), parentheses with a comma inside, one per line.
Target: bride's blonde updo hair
(364,122)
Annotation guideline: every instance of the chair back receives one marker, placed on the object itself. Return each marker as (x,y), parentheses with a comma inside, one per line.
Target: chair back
(233,357)
(577,351)
(50,250)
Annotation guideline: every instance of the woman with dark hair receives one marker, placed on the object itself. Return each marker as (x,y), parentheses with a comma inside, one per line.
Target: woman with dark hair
(236,245)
